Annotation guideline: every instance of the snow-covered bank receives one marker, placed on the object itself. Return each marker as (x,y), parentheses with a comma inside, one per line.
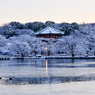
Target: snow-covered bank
(47,57)
(74,88)
(54,57)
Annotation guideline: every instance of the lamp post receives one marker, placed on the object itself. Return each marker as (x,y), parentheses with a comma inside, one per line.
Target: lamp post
(46,50)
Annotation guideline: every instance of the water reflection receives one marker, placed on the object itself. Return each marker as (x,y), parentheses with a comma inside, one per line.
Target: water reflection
(40,71)
(46,68)
(46,80)
(54,63)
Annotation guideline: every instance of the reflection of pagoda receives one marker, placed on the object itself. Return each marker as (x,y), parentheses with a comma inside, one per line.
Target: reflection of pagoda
(49,32)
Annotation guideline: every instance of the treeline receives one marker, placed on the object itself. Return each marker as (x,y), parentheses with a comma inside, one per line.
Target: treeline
(17,38)
(17,28)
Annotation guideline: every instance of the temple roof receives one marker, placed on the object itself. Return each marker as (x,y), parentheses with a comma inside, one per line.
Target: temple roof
(49,30)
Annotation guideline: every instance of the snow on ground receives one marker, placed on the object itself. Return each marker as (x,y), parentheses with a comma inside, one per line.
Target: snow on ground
(74,88)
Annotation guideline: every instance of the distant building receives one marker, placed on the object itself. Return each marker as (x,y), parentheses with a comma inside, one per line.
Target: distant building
(49,32)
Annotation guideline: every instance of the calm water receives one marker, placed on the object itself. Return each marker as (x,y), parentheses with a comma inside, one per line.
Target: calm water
(47,73)
(42,71)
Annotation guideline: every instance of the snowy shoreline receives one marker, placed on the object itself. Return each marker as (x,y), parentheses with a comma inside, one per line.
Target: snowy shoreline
(54,57)
(48,57)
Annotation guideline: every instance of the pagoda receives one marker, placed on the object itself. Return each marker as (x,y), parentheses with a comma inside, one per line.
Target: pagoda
(50,32)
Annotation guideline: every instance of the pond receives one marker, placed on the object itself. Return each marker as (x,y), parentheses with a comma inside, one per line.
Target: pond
(44,74)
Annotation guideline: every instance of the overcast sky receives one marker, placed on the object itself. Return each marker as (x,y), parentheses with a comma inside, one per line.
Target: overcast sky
(42,10)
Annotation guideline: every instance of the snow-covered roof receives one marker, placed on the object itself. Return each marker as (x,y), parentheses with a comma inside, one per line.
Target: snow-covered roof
(49,30)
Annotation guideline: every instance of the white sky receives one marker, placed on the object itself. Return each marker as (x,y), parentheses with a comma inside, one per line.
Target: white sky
(42,10)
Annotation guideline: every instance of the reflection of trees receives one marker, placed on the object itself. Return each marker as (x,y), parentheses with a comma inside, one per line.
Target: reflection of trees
(46,68)
(72,60)
(20,60)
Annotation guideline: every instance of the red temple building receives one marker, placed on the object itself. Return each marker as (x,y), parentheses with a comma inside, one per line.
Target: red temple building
(49,32)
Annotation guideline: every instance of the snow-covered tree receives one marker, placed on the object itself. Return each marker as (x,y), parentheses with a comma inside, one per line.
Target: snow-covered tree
(25,31)
(22,48)
(9,33)
(35,26)
(3,41)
